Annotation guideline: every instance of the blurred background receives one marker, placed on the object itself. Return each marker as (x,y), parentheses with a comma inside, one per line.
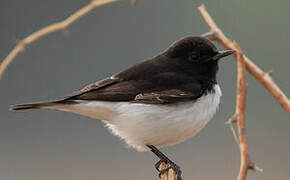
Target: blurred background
(62,146)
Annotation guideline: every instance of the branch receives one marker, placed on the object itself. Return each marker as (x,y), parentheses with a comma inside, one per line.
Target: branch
(63,25)
(240,113)
(242,63)
(262,77)
(133,2)
(231,122)
(168,175)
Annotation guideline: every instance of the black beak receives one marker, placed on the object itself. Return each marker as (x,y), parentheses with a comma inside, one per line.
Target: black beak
(222,54)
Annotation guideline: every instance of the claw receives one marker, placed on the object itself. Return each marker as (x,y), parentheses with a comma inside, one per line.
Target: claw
(157,165)
(165,159)
(163,171)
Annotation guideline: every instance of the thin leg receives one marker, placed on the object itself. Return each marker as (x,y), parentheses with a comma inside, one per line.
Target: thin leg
(165,159)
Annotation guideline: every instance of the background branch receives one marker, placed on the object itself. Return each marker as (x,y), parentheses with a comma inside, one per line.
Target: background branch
(133,2)
(63,25)
(240,113)
(262,77)
(215,34)
(242,63)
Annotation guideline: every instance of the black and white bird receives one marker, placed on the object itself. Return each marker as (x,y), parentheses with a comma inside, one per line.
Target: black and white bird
(158,102)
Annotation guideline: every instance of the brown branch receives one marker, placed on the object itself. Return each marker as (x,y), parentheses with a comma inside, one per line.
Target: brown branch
(239,117)
(240,113)
(168,175)
(63,25)
(231,122)
(262,77)
(133,2)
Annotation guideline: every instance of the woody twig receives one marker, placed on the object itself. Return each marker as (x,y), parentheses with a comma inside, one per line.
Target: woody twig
(59,26)
(263,77)
(243,64)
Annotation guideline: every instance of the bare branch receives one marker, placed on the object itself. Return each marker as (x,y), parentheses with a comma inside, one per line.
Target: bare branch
(168,175)
(240,113)
(231,122)
(266,80)
(133,2)
(63,25)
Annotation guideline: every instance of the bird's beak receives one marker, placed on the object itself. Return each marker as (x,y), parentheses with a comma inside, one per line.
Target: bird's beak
(222,54)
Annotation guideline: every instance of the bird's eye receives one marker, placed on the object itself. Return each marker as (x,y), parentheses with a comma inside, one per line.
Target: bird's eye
(193,56)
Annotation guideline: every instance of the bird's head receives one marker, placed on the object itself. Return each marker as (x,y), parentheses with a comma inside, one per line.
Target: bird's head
(197,54)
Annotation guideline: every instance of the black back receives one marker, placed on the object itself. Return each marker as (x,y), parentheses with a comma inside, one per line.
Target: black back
(184,71)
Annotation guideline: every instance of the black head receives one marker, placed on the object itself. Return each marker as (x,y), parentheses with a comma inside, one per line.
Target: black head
(197,56)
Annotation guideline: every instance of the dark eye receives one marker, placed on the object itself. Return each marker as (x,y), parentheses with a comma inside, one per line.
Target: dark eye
(194,56)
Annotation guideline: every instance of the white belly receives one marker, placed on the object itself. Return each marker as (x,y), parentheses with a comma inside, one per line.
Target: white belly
(158,125)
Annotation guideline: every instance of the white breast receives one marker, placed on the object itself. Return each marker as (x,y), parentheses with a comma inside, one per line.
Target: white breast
(159,125)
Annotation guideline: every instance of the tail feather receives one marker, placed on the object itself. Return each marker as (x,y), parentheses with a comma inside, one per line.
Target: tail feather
(37,105)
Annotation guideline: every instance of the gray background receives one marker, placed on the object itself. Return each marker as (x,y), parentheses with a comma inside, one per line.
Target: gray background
(62,146)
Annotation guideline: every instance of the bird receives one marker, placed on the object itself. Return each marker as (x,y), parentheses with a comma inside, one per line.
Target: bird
(160,101)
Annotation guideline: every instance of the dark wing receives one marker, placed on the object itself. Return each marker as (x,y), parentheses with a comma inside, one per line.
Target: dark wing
(160,90)
(120,91)
(93,87)
(152,81)
(117,83)
(142,91)
(165,97)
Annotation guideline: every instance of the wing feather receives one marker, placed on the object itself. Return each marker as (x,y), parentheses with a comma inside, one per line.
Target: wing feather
(92,87)
(164,97)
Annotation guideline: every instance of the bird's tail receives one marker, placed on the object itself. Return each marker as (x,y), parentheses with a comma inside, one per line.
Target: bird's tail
(37,105)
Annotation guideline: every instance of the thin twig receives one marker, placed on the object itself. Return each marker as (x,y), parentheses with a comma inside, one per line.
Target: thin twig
(231,122)
(243,63)
(133,2)
(240,113)
(63,25)
(261,76)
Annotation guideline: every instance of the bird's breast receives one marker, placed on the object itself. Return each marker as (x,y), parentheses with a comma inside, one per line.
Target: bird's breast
(161,125)
(152,124)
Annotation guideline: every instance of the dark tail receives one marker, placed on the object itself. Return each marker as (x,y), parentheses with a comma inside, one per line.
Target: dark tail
(37,105)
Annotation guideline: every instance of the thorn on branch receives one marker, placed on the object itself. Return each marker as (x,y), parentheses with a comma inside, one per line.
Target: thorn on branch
(21,44)
(269,73)
(232,119)
(253,166)
(211,35)
(133,2)
(65,31)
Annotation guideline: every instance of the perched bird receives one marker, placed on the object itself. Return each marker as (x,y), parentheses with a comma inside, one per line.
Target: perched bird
(158,102)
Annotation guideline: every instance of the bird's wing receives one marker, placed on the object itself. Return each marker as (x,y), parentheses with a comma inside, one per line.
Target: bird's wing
(93,87)
(119,91)
(141,91)
(119,81)
(141,82)
(165,97)
(162,88)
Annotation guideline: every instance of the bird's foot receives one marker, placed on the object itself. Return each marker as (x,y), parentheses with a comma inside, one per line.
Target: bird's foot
(164,159)
(173,166)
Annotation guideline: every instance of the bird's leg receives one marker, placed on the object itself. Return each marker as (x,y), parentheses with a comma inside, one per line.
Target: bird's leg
(165,159)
